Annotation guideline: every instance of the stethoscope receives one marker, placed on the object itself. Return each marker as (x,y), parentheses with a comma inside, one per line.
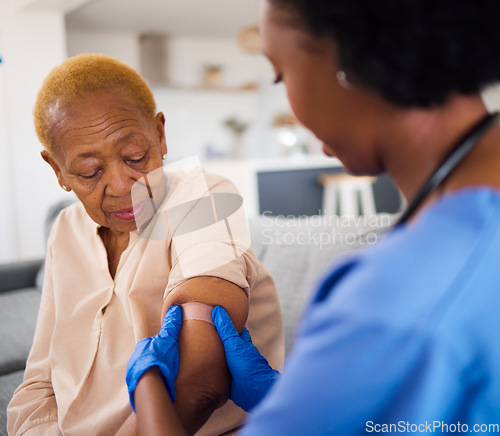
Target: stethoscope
(449,163)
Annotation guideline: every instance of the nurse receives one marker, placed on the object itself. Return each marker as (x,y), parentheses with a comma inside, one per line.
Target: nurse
(402,336)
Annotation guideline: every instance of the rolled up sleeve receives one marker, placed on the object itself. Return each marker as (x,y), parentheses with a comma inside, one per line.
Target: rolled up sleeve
(220,246)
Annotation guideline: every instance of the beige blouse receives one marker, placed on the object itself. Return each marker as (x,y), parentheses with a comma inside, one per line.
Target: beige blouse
(88,323)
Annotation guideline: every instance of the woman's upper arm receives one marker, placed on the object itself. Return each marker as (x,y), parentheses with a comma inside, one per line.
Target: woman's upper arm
(210,265)
(212,291)
(203,381)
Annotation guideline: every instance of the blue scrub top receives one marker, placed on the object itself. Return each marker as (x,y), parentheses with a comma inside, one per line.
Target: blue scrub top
(404,337)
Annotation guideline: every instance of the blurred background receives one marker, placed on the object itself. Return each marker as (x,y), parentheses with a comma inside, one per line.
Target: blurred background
(204,63)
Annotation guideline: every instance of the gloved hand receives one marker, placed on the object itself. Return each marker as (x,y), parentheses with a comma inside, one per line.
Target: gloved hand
(161,350)
(252,377)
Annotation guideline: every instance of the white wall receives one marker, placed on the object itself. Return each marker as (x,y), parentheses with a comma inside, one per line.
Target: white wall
(194,118)
(188,55)
(121,45)
(7,217)
(32,43)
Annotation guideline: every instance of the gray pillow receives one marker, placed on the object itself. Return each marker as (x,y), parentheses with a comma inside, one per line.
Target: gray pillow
(298,250)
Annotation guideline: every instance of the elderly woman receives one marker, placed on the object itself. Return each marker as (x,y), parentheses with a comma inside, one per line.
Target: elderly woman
(106,280)
(401,337)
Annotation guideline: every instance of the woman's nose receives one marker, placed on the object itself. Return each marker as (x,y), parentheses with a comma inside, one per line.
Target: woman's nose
(119,180)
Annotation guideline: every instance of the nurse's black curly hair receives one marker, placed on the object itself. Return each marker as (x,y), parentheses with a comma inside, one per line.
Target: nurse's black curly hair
(412,52)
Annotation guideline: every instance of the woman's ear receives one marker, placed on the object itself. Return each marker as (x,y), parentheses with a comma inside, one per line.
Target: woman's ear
(46,156)
(160,128)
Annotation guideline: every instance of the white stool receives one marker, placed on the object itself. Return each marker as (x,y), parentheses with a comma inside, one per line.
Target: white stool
(344,194)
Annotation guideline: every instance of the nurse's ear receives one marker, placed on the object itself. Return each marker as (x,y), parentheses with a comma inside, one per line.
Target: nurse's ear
(47,157)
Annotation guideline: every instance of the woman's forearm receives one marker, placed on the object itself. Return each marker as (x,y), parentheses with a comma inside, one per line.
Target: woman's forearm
(156,415)
(203,383)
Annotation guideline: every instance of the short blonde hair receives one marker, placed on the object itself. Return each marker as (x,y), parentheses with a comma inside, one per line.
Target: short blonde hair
(81,75)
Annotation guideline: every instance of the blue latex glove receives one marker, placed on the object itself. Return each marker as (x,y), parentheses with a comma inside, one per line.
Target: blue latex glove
(161,350)
(252,376)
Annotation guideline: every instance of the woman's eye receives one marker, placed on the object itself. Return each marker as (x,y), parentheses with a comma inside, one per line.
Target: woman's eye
(138,159)
(278,79)
(90,176)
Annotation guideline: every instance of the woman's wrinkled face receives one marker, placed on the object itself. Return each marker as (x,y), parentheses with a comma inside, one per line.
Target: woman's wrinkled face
(102,145)
(307,66)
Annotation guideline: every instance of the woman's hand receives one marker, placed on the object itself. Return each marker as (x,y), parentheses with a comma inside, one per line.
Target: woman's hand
(252,376)
(161,350)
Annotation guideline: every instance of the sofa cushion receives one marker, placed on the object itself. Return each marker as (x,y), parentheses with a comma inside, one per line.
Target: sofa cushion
(18,312)
(8,384)
(19,274)
(297,251)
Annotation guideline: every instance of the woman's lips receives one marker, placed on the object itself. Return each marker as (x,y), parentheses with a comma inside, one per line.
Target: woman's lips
(130,214)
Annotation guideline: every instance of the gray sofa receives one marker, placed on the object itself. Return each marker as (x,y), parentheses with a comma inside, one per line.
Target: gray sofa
(19,301)
(295,250)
